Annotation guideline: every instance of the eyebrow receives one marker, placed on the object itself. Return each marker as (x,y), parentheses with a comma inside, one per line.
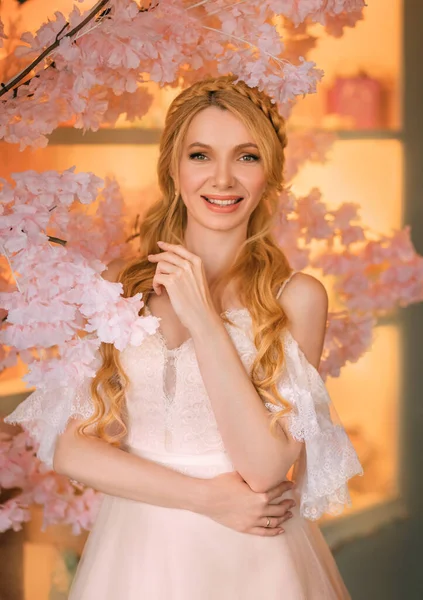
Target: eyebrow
(238,147)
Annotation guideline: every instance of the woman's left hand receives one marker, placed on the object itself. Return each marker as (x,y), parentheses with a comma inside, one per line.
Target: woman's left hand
(182,274)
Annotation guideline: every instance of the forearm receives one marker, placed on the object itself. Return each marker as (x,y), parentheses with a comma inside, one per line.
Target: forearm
(107,469)
(243,421)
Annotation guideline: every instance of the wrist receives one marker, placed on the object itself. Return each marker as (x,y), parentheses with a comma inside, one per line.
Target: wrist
(206,326)
(198,500)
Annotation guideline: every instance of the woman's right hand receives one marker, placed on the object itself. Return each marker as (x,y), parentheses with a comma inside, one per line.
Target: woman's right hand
(234,504)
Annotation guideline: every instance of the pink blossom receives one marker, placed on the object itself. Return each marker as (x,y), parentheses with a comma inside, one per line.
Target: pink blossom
(335,25)
(315,10)
(165,43)
(312,216)
(60,289)
(12,516)
(62,501)
(307,147)
(348,336)
(343,219)
(45,36)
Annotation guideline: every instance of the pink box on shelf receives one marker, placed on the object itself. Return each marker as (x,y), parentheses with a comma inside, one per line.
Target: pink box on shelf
(358,98)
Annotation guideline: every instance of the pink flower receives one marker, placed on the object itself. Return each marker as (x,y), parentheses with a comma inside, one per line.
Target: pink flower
(12,516)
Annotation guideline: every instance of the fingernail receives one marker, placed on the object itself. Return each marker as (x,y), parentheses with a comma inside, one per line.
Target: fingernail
(160,243)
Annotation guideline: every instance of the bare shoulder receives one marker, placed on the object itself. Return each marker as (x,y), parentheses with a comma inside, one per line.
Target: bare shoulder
(305,303)
(303,293)
(114,267)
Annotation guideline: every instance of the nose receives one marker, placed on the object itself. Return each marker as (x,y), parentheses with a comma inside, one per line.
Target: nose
(223,177)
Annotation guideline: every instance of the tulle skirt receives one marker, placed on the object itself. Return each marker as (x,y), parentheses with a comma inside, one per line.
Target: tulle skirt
(138,551)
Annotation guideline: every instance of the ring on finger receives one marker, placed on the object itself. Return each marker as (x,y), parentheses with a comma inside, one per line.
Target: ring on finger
(268,522)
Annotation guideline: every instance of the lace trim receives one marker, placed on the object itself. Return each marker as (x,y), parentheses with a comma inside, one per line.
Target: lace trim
(45,414)
(328,459)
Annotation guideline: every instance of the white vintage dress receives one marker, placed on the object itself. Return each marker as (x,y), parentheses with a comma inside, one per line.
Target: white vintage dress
(138,551)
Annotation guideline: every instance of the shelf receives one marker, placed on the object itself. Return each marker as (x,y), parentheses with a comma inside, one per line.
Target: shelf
(63,136)
(356,134)
(123,136)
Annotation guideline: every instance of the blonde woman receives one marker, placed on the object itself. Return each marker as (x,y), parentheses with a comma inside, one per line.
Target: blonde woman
(192,435)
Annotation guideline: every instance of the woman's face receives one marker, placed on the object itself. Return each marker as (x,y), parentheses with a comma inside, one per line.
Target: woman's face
(220,161)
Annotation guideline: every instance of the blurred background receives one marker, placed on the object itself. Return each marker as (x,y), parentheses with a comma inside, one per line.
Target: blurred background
(371,96)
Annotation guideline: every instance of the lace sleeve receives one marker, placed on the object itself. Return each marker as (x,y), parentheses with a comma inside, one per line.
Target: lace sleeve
(45,414)
(328,459)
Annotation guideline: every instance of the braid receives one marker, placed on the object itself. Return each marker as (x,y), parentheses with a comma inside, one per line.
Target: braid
(264,103)
(225,82)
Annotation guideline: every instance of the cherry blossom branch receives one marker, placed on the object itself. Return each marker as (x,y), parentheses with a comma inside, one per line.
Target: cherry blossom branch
(4,252)
(246,42)
(17,78)
(8,86)
(56,240)
(221,8)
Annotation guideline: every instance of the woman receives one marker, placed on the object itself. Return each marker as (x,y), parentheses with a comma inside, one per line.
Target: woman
(191,436)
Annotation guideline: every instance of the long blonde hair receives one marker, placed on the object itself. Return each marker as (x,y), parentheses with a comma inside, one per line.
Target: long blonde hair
(259,267)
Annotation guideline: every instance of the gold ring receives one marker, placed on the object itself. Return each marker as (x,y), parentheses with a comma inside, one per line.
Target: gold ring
(268,522)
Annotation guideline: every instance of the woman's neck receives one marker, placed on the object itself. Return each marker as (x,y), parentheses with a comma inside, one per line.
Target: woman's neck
(217,249)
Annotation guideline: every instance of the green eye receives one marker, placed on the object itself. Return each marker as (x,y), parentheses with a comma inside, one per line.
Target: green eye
(254,157)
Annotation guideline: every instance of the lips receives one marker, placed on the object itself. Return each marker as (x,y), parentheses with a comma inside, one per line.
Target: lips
(223,197)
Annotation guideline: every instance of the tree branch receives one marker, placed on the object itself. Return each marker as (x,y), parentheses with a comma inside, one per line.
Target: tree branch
(47,51)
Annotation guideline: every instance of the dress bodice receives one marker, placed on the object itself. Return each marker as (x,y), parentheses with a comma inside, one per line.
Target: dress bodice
(169,414)
(168,406)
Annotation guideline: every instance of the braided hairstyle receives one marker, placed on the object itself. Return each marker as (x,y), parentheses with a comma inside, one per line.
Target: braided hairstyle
(258,113)
(211,87)
(259,267)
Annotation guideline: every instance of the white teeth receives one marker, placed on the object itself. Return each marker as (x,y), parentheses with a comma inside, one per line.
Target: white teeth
(221,202)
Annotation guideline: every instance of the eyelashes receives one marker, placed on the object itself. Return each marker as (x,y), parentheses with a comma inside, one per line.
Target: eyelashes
(196,155)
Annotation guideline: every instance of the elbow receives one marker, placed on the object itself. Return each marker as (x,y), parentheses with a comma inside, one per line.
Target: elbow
(265,480)
(260,487)
(262,484)
(61,452)
(66,445)
(273,475)
(58,462)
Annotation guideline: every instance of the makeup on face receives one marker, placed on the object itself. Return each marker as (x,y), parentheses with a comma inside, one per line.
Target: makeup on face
(221,203)
(221,168)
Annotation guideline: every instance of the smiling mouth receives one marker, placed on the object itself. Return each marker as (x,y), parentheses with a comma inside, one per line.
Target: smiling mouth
(222,202)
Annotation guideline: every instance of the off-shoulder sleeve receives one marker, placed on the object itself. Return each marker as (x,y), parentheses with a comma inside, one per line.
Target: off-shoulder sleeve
(328,459)
(45,414)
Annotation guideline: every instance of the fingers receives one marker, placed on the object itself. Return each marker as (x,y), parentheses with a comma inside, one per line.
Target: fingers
(276,522)
(279,510)
(181,251)
(274,527)
(167,264)
(168,257)
(160,280)
(266,531)
(280,489)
